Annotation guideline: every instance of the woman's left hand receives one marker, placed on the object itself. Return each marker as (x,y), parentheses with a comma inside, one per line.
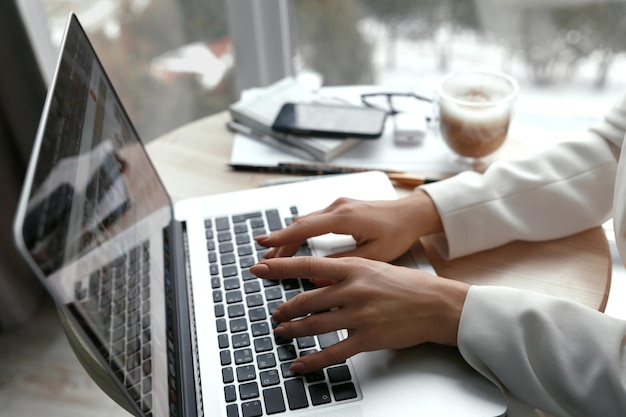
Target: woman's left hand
(380,305)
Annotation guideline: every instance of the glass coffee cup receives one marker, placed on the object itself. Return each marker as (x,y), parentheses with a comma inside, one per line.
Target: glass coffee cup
(474,110)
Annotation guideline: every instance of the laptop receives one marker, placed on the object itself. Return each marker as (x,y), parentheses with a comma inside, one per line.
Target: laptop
(161,296)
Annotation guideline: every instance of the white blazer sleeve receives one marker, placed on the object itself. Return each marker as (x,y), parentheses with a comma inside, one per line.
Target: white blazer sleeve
(565,190)
(544,352)
(553,354)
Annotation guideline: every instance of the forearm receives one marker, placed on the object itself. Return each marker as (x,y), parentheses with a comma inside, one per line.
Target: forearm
(563,358)
(565,190)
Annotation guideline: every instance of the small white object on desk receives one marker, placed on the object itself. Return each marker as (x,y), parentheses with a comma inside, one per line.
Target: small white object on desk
(409,128)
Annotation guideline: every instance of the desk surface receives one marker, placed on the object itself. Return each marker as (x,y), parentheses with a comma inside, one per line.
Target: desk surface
(193,161)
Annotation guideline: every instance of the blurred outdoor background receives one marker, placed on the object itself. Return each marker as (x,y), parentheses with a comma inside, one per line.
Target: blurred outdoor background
(173,61)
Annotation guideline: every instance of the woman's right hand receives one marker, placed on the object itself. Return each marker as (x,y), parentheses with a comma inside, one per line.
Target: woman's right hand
(383,230)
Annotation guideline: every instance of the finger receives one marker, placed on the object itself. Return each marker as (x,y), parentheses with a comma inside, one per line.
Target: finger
(303,267)
(331,355)
(310,325)
(303,228)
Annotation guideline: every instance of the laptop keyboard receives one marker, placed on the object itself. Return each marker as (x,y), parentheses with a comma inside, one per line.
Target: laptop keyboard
(115,302)
(255,364)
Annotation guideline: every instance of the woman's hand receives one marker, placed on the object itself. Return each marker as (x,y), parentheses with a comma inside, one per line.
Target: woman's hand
(383,230)
(380,305)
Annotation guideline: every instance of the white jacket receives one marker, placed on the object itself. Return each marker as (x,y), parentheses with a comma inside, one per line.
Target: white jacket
(544,352)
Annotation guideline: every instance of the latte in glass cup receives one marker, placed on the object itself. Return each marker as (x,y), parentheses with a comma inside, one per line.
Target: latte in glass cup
(475,110)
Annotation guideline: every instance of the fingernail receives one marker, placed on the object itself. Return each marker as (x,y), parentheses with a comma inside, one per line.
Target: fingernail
(260,270)
(297,367)
(276,316)
(261,238)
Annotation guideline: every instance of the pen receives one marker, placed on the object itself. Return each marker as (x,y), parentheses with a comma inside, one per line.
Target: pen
(331,168)
(268,140)
(410,180)
(313,169)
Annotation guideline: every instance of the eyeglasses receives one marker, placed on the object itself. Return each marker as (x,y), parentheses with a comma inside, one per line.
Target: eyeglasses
(393,103)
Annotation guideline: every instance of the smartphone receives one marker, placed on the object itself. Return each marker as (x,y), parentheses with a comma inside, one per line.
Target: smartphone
(332,121)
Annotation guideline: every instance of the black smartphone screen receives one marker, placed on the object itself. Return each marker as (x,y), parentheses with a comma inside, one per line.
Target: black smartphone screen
(330,121)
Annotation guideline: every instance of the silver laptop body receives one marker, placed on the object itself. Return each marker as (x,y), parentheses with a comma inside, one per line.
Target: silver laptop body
(160,294)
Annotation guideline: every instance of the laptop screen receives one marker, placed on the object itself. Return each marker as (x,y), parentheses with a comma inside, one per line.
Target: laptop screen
(92,218)
(79,196)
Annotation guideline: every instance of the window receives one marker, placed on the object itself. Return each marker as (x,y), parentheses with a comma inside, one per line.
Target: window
(171,61)
(568,56)
(174,61)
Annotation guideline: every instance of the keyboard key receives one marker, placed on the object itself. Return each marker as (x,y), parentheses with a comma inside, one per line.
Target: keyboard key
(305,342)
(273,293)
(252,409)
(232,410)
(274,400)
(225,247)
(238,218)
(296,395)
(230,393)
(285,371)
(240,340)
(344,392)
(228,258)
(225,358)
(222,223)
(240,228)
(271,306)
(246,373)
(236,310)
(290,284)
(227,375)
(248,391)
(244,250)
(316,376)
(243,356)
(266,360)
(286,353)
(251,287)
(319,394)
(273,220)
(234,297)
(219,310)
(242,239)
(230,271)
(260,329)
(338,374)
(290,294)
(269,378)
(224,237)
(246,262)
(222,341)
(254,300)
(263,344)
(257,314)
(238,325)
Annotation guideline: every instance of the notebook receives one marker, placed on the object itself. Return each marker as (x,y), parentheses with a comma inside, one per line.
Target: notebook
(161,295)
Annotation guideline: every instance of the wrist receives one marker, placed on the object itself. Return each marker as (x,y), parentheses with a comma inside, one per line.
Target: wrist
(424,213)
(452,299)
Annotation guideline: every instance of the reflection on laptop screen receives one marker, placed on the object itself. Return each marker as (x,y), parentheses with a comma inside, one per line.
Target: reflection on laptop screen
(94,210)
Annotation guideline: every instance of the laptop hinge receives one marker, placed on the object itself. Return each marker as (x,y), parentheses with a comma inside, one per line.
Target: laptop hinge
(190,400)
